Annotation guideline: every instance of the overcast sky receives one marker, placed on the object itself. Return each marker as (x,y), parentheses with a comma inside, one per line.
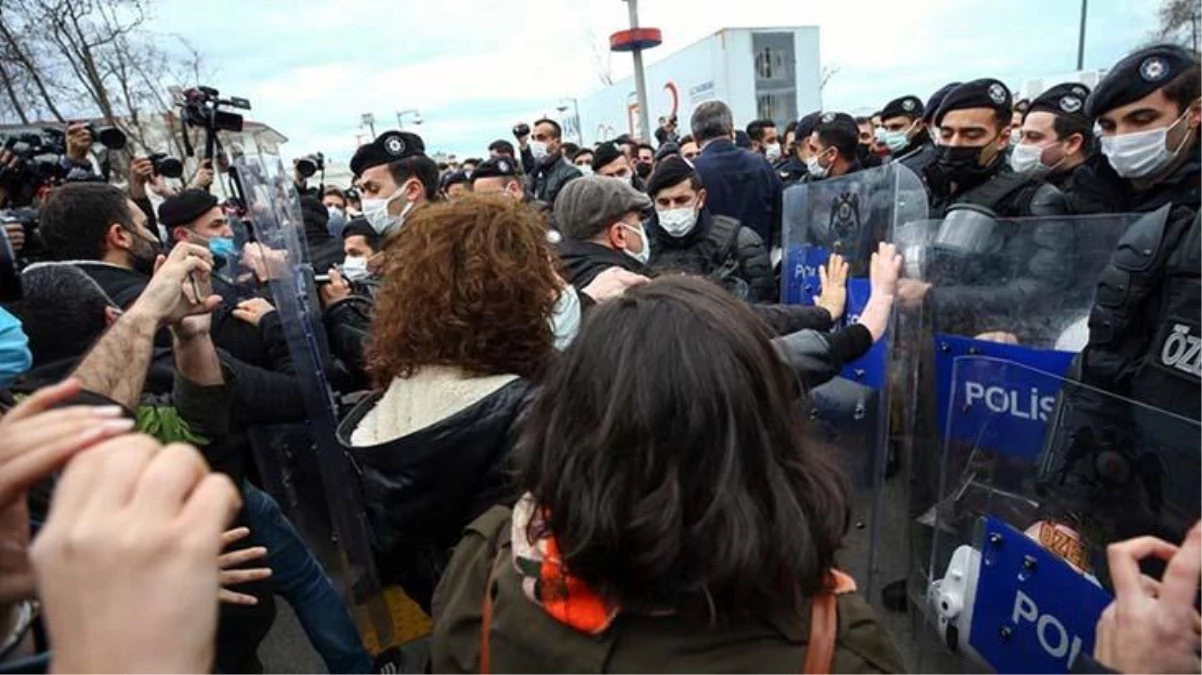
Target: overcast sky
(474,67)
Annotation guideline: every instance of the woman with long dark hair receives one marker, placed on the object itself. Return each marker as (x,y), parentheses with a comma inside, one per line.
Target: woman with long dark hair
(675,516)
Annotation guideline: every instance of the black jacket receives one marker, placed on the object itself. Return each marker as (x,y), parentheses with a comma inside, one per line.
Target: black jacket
(719,248)
(1086,187)
(791,171)
(583,261)
(261,395)
(422,489)
(742,185)
(1181,188)
(549,177)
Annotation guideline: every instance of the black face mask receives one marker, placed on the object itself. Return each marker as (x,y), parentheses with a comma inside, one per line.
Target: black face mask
(144,253)
(643,169)
(963,165)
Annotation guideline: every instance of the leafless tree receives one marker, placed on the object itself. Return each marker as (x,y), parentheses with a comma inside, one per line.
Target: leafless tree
(827,73)
(75,59)
(1174,17)
(602,57)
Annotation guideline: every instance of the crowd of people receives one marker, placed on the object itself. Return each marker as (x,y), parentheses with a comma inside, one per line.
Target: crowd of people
(567,384)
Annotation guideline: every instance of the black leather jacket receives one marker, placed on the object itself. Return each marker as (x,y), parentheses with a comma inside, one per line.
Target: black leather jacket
(422,489)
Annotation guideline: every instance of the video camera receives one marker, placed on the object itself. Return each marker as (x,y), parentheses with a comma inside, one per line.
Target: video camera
(311,164)
(201,107)
(41,160)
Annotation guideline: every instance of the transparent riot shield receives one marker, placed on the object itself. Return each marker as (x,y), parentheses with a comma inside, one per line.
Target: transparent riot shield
(850,216)
(275,253)
(1038,475)
(1017,290)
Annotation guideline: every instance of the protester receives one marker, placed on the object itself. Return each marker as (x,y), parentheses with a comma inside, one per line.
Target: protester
(548,169)
(453,356)
(336,205)
(689,148)
(604,564)
(686,237)
(645,161)
(740,184)
(583,160)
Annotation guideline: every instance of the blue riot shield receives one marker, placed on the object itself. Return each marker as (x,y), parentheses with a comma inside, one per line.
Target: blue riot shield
(1018,576)
(850,216)
(1011,298)
(272,252)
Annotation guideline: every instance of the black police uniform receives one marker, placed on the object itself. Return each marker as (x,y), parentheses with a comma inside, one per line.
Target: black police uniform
(1145,343)
(1083,188)
(920,151)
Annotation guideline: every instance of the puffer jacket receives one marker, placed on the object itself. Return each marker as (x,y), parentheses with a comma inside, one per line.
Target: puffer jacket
(720,248)
(525,638)
(422,483)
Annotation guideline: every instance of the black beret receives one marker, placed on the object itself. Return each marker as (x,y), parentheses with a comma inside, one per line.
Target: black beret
(984,93)
(671,171)
(933,102)
(839,123)
(906,106)
(1063,99)
(1138,75)
(502,146)
(389,147)
(604,154)
(805,125)
(454,178)
(498,167)
(361,228)
(666,150)
(185,207)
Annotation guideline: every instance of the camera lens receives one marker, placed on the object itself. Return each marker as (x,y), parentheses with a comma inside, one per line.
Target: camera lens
(169,167)
(306,166)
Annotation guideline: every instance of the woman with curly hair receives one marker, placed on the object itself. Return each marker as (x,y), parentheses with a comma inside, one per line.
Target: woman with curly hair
(462,326)
(676,515)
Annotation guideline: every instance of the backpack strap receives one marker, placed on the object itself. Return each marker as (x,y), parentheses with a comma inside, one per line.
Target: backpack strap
(486,616)
(824,624)
(724,234)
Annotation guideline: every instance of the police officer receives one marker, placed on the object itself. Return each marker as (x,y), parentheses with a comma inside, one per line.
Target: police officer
(498,175)
(904,133)
(793,169)
(1056,142)
(970,165)
(1149,295)
(1144,331)
(395,177)
(833,147)
(609,160)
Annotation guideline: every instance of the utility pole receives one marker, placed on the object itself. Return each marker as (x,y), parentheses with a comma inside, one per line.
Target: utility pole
(640,79)
(1081,37)
(369,120)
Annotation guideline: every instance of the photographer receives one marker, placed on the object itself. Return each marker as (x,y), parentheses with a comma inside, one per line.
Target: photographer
(666,133)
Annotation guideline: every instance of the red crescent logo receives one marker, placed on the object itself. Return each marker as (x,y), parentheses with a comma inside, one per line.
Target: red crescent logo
(670,87)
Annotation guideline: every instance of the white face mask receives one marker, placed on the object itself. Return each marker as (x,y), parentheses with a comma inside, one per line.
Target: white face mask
(1024,158)
(644,254)
(539,150)
(585,169)
(565,318)
(677,222)
(354,268)
(817,171)
(772,152)
(377,215)
(1142,153)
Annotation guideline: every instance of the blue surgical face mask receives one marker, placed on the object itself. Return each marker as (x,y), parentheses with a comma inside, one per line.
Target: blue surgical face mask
(221,247)
(15,358)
